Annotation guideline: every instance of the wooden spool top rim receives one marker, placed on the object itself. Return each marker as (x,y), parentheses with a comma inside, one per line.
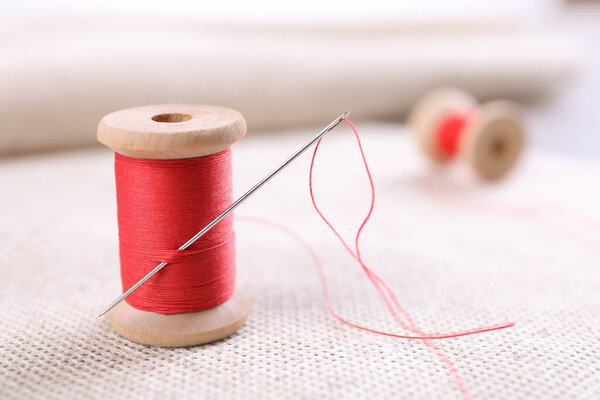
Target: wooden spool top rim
(171,131)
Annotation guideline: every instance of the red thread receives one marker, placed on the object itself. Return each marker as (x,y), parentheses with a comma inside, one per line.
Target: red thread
(160,205)
(450,131)
(383,289)
(379,284)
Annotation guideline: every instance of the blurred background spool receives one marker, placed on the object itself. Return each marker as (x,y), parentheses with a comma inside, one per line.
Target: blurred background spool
(167,132)
(448,122)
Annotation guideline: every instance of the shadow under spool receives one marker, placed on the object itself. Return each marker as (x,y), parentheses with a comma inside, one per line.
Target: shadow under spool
(170,132)
(449,123)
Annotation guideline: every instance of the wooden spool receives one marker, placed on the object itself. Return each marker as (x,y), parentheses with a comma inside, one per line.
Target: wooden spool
(168,132)
(492,140)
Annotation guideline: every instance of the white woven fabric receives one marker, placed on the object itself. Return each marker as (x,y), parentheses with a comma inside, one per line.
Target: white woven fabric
(454,262)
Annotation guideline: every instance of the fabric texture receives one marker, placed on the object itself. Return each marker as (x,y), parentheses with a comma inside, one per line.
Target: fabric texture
(457,253)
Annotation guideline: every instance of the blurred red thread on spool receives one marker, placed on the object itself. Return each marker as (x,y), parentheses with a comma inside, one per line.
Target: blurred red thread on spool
(158,209)
(450,131)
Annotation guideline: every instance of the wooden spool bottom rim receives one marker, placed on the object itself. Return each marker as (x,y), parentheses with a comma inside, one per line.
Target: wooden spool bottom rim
(180,330)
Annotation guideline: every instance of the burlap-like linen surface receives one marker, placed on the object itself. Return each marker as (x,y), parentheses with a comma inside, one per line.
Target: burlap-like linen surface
(457,254)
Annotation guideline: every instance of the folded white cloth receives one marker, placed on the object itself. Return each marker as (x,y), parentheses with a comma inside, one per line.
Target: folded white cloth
(59,76)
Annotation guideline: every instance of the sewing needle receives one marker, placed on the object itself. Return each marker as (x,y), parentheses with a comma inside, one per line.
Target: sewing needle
(232,207)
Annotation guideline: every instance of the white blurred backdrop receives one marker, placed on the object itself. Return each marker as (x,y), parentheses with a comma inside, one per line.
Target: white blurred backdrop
(64,64)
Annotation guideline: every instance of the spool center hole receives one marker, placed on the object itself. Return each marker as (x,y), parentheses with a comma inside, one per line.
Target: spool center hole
(497,148)
(171,117)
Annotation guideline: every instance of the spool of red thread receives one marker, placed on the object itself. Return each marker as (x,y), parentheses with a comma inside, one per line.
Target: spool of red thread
(173,175)
(449,123)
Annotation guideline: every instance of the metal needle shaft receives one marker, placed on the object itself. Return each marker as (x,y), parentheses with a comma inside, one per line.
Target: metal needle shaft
(234,205)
